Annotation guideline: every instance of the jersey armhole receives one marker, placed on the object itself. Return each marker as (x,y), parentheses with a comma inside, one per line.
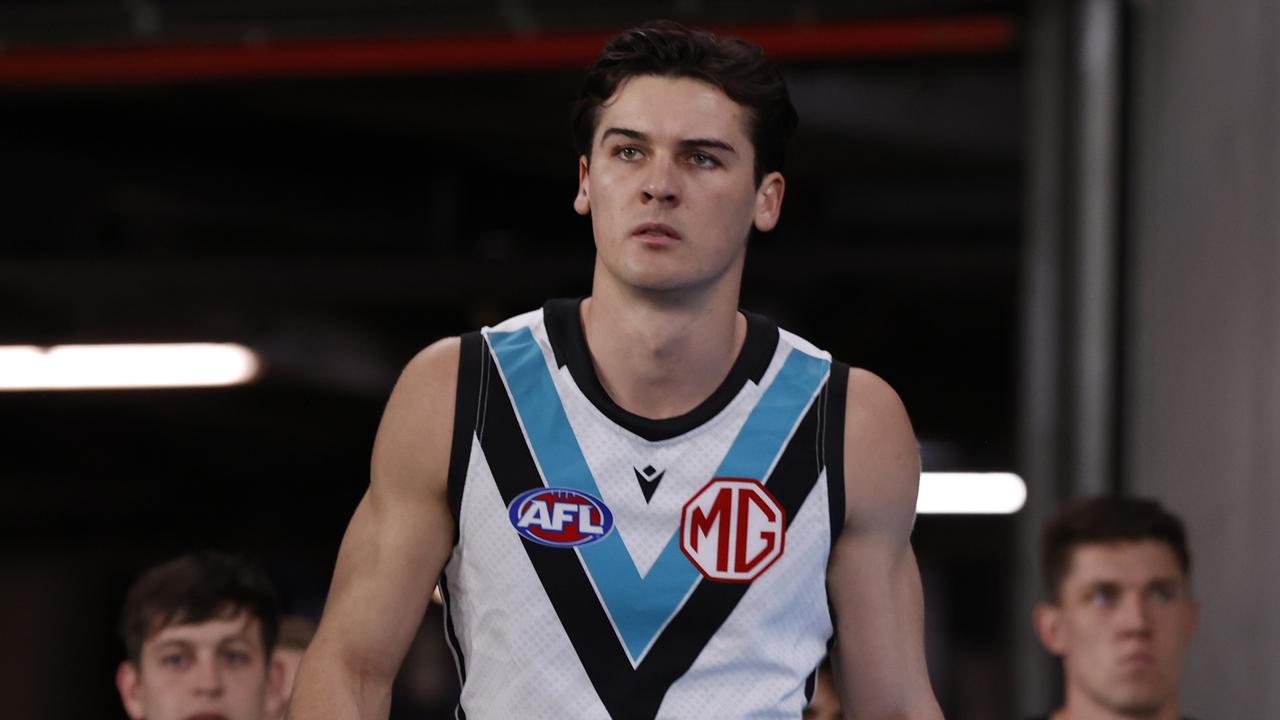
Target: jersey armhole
(833,443)
(465,414)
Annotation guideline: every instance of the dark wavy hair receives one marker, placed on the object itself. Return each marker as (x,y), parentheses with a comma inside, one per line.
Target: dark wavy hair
(1107,519)
(668,49)
(195,588)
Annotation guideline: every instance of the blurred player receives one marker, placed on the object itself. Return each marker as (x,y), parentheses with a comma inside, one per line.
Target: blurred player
(198,633)
(1120,612)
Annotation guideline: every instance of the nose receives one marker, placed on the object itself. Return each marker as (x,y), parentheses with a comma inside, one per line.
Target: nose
(1134,615)
(660,184)
(207,677)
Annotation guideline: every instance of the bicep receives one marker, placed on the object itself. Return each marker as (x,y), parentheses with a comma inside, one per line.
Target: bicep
(400,535)
(876,596)
(873,578)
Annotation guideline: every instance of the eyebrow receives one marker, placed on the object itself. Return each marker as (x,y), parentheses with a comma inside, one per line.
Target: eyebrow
(1152,582)
(235,636)
(1096,584)
(175,643)
(689,143)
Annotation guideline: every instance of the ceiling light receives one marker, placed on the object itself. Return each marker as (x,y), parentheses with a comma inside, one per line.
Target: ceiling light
(118,367)
(993,493)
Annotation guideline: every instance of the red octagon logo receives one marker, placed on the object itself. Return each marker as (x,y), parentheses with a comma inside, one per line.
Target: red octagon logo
(732,530)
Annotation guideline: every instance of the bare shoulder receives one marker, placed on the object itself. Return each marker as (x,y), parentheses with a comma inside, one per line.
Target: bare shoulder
(433,366)
(875,419)
(881,456)
(424,393)
(411,453)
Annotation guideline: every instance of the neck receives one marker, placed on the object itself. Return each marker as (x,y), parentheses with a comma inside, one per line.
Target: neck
(660,355)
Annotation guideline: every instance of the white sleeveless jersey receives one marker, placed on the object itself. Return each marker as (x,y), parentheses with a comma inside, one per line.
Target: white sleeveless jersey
(611,566)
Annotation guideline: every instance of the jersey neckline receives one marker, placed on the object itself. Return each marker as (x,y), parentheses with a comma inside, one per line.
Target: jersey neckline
(569,344)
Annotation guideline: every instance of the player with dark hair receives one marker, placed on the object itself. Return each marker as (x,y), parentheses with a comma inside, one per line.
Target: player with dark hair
(1120,613)
(198,634)
(645,503)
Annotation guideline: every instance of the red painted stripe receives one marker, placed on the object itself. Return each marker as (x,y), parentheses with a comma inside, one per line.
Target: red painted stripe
(988,34)
(889,38)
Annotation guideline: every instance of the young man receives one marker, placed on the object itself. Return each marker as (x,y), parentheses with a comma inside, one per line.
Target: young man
(1120,613)
(198,632)
(645,502)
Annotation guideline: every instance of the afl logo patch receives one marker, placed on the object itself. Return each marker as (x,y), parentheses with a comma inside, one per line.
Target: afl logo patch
(560,517)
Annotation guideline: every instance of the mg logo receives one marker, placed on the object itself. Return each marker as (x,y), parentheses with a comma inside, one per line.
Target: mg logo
(732,530)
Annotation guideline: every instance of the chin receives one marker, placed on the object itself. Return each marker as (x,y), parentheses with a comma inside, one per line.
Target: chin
(657,280)
(1138,709)
(1140,702)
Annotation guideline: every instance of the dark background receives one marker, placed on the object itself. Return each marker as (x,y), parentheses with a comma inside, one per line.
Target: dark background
(337,222)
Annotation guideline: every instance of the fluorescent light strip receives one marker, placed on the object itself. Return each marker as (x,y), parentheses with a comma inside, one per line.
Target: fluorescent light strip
(120,367)
(970,493)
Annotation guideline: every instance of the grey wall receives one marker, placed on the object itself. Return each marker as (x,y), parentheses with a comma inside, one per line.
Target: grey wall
(1202,372)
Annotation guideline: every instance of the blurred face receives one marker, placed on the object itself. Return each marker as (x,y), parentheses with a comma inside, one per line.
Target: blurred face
(1121,626)
(670,187)
(213,670)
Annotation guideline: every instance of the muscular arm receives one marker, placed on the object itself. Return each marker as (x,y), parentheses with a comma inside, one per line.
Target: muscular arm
(391,556)
(872,577)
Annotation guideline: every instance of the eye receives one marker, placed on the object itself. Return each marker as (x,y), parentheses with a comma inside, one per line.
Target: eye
(1103,596)
(176,661)
(236,658)
(703,160)
(1164,594)
(628,152)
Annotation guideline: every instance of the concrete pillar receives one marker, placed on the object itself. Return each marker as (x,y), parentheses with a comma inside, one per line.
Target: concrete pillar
(1203,361)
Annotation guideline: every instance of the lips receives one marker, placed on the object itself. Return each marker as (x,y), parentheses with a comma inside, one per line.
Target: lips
(655,231)
(207,716)
(1137,659)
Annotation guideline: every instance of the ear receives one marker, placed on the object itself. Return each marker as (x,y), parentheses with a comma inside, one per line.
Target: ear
(129,683)
(277,699)
(769,201)
(582,203)
(1047,619)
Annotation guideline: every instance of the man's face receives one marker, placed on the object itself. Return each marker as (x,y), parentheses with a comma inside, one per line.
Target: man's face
(670,186)
(1121,625)
(212,670)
